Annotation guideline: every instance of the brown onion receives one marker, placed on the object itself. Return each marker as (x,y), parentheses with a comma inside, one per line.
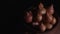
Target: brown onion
(50,10)
(28,17)
(49,26)
(40,6)
(39,18)
(53,21)
(49,18)
(43,11)
(42,27)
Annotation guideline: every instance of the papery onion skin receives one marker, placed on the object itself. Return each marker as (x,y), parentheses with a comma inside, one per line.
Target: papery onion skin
(49,26)
(53,21)
(50,10)
(28,17)
(42,11)
(39,18)
(40,6)
(42,27)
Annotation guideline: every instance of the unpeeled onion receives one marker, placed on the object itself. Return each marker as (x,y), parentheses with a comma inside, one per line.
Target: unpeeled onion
(28,17)
(42,27)
(43,11)
(49,26)
(53,21)
(40,6)
(50,10)
(39,18)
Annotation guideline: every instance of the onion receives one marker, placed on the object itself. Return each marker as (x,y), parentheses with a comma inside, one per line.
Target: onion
(39,18)
(49,26)
(43,11)
(50,10)
(40,6)
(42,27)
(28,17)
(53,21)
(49,18)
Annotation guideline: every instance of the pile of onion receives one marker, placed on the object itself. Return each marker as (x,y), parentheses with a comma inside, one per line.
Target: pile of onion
(44,22)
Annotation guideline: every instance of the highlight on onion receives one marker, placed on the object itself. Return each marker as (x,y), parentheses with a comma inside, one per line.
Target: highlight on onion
(43,11)
(42,27)
(35,23)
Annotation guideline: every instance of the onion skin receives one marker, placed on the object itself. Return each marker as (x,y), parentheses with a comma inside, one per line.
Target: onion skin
(49,26)
(49,18)
(53,21)
(42,11)
(39,18)
(50,10)
(40,6)
(42,27)
(28,17)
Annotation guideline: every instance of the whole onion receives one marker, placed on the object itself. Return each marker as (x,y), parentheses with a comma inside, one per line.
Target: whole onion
(43,11)
(35,23)
(28,17)
(50,10)
(39,17)
(42,27)
(40,6)
(49,18)
(49,26)
(53,21)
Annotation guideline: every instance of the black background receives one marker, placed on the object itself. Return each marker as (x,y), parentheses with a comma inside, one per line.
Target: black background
(16,11)
(11,1)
